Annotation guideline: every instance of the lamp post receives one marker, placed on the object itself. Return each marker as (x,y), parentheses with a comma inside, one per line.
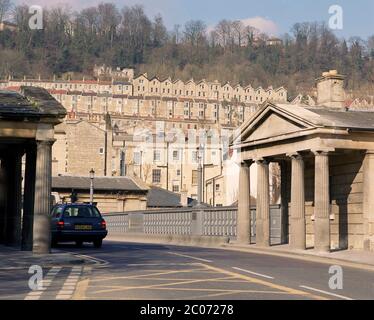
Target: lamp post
(141,164)
(92,176)
(199,176)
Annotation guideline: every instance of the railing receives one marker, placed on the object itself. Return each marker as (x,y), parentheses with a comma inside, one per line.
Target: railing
(218,221)
(176,222)
(118,223)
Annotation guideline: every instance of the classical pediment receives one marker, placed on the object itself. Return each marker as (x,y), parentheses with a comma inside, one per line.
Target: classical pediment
(272,122)
(273,125)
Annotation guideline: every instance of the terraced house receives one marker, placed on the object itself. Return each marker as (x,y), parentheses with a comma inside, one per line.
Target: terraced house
(151,128)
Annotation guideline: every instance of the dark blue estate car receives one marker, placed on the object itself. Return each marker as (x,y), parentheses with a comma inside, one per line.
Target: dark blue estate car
(79,223)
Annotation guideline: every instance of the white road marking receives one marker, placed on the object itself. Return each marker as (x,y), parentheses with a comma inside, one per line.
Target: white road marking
(326,292)
(70,284)
(191,257)
(254,273)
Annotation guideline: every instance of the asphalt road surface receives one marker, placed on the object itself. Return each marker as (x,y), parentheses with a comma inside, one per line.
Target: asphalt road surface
(154,271)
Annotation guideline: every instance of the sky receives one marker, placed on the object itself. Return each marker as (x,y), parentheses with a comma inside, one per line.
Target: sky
(274,17)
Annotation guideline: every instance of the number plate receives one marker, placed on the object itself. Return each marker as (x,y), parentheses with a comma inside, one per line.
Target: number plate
(83,227)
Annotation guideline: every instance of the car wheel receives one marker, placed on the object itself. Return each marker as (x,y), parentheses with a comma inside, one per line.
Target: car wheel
(78,243)
(98,243)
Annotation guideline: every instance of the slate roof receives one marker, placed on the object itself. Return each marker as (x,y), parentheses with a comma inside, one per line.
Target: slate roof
(349,119)
(329,117)
(100,183)
(31,102)
(161,198)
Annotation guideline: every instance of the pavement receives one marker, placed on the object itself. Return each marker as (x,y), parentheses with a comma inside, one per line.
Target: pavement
(13,258)
(61,272)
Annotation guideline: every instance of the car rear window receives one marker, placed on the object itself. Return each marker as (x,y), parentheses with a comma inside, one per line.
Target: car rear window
(81,212)
(57,212)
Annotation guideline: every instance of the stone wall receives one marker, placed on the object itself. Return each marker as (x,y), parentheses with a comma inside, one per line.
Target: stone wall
(86,148)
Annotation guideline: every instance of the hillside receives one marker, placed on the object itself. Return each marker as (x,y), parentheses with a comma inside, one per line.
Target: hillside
(127,37)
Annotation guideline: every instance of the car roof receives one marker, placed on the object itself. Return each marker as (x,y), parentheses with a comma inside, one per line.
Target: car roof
(75,205)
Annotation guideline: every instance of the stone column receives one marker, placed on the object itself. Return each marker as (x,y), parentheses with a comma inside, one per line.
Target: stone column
(263,204)
(285,199)
(28,199)
(298,227)
(42,204)
(244,205)
(368,205)
(13,165)
(321,202)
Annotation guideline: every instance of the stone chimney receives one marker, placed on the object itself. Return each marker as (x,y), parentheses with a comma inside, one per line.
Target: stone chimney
(330,90)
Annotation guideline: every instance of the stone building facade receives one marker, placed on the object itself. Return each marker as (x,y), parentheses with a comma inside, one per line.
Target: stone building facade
(109,121)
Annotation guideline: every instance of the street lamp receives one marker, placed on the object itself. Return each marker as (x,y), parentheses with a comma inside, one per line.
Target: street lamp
(199,176)
(92,176)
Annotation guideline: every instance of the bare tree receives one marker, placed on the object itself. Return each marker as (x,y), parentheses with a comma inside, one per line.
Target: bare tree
(136,31)
(223,32)
(159,32)
(176,33)
(194,32)
(89,19)
(238,32)
(5,7)
(108,20)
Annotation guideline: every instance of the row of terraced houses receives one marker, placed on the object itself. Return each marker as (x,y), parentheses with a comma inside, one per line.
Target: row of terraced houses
(115,127)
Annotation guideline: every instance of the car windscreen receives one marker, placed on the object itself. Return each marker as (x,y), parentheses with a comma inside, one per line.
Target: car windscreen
(81,212)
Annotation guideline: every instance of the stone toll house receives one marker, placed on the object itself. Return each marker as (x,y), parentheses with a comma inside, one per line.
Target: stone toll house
(326,155)
(27,121)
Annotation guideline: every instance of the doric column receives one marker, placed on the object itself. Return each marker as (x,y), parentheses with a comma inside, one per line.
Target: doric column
(13,165)
(298,227)
(285,199)
(28,198)
(263,204)
(321,202)
(368,205)
(42,204)
(244,204)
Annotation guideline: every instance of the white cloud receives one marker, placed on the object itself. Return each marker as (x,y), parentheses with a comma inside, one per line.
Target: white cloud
(264,25)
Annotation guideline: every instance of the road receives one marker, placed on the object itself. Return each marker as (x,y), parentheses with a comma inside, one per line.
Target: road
(155,271)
